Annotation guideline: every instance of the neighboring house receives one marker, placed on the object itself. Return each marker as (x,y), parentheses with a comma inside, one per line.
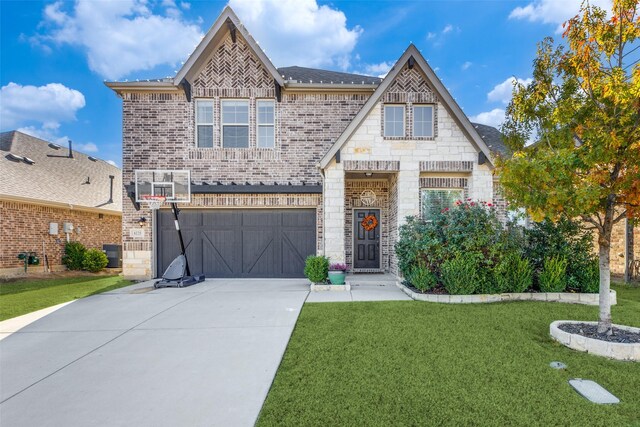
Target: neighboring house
(44,186)
(288,162)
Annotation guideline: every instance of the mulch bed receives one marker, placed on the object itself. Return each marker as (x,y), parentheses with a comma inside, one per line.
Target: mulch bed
(591,331)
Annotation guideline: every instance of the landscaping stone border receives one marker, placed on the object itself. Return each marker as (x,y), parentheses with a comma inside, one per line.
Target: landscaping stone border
(612,350)
(566,297)
(321,288)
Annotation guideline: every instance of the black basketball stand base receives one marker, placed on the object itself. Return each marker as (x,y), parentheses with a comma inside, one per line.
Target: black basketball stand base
(180,283)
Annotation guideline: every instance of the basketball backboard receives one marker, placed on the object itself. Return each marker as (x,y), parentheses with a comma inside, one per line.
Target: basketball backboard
(175,185)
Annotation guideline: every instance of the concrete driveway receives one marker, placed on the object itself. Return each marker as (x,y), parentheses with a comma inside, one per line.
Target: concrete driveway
(199,356)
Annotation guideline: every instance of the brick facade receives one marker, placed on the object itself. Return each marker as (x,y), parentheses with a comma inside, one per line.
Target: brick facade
(25,227)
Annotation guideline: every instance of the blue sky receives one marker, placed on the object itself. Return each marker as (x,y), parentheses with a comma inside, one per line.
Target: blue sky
(54,56)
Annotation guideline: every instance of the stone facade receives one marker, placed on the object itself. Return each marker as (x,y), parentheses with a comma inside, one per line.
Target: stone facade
(25,227)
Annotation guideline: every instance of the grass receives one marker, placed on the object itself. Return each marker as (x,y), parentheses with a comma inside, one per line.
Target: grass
(416,363)
(18,298)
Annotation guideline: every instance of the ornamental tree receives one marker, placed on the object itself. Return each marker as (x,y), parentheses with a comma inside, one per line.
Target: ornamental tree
(583,111)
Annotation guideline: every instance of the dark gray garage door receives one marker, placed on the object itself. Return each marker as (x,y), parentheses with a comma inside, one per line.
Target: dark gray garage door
(239,243)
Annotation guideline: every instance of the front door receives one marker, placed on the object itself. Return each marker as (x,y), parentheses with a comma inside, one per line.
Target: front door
(366,244)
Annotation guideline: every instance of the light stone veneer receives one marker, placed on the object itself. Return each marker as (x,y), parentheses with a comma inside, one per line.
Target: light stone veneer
(566,297)
(319,288)
(612,350)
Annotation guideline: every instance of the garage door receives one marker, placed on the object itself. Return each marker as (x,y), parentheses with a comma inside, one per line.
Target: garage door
(239,243)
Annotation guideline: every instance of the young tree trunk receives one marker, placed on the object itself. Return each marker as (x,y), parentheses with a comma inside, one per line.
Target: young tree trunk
(604,324)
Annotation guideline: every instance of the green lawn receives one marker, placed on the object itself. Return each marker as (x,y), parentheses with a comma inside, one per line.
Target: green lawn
(416,363)
(18,298)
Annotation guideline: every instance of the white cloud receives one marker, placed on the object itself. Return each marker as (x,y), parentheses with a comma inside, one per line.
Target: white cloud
(120,37)
(112,163)
(299,32)
(447,29)
(431,35)
(50,104)
(466,65)
(502,92)
(88,147)
(46,133)
(493,118)
(378,70)
(437,38)
(553,11)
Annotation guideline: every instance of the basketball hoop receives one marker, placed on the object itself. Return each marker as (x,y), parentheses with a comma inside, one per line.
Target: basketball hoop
(153,202)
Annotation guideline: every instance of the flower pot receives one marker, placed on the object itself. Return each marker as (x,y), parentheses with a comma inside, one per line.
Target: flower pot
(337,277)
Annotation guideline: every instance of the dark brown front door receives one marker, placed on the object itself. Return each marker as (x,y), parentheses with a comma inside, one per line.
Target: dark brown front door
(366,244)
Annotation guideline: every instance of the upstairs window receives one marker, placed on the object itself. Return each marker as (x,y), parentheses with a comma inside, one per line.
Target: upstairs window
(235,124)
(265,114)
(423,120)
(394,120)
(204,123)
(433,201)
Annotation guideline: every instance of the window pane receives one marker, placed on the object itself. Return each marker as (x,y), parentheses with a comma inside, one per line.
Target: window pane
(235,112)
(265,137)
(205,136)
(434,201)
(204,111)
(235,136)
(265,112)
(423,120)
(394,120)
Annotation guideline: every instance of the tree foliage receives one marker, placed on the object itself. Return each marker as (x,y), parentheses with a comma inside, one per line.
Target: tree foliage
(582,109)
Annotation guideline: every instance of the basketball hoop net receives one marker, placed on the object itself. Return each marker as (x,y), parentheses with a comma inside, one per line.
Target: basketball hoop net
(153,202)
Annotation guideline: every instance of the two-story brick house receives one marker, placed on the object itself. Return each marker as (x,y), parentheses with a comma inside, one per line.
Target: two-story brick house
(289,162)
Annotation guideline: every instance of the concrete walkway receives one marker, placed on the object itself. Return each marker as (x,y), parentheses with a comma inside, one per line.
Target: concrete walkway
(205,355)
(199,356)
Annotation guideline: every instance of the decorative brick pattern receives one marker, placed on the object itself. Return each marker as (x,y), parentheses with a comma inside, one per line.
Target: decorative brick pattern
(436,182)
(446,166)
(371,165)
(393,224)
(410,86)
(25,227)
(353,189)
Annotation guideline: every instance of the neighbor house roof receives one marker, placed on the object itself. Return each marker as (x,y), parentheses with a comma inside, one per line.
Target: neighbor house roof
(493,138)
(434,82)
(313,75)
(33,170)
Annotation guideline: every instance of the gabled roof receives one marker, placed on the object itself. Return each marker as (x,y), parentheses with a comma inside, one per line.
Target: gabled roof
(308,75)
(54,178)
(493,138)
(434,82)
(227,21)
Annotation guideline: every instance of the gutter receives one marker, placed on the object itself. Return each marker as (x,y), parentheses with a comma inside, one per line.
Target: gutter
(39,202)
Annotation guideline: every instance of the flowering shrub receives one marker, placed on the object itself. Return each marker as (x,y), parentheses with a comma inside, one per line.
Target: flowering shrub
(338,266)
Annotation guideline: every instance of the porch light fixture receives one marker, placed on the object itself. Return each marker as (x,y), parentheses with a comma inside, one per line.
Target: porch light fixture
(142,221)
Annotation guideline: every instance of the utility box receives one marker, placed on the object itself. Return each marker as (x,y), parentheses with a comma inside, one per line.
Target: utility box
(67,227)
(53,228)
(114,255)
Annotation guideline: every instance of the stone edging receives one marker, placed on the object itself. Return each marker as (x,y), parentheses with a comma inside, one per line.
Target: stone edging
(566,297)
(320,288)
(612,350)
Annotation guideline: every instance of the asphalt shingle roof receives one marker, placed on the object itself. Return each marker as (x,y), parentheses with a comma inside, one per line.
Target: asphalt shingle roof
(314,75)
(77,181)
(493,138)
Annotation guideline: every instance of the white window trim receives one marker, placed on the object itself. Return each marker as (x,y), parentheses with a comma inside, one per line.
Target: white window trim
(258,124)
(413,127)
(404,121)
(223,124)
(212,124)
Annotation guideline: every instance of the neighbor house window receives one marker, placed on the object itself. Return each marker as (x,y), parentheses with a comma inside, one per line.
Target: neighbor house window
(204,123)
(394,120)
(265,114)
(433,201)
(423,120)
(235,124)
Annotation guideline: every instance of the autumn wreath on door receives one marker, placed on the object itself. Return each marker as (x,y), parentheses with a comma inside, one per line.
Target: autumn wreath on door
(370,222)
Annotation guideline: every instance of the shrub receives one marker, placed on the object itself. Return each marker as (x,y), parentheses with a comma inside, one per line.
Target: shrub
(316,268)
(422,278)
(94,260)
(513,274)
(588,279)
(460,274)
(553,277)
(73,255)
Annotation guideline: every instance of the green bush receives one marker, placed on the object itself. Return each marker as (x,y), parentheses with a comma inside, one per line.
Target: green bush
(94,260)
(422,278)
(589,278)
(460,274)
(73,255)
(553,277)
(316,268)
(513,274)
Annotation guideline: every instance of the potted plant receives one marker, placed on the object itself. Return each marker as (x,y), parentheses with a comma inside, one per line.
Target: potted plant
(337,273)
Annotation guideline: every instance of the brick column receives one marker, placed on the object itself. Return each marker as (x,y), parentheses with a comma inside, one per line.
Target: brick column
(334,212)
